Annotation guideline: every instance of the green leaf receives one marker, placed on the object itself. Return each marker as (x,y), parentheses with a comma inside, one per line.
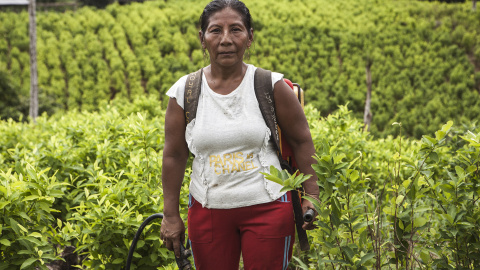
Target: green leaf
(348,251)
(14,225)
(274,175)
(33,240)
(419,222)
(354,176)
(355,160)
(467,225)
(56,193)
(429,140)
(3,204)
(117,261)
(338,158)
(440,134)
(35,234)
(447,126)
(434,156)
(449,218)
(152,237)
(153,256)
(334,251)
(399,199)
(422,208)
(49,257)
(5,242)
(315,203)
(367,257)
(460,172)
(24,215)
(28,262)
(273,178)
(425,257)
(300,263)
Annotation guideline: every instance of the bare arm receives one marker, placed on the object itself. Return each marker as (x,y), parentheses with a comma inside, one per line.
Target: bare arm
(294,126)
(175,155)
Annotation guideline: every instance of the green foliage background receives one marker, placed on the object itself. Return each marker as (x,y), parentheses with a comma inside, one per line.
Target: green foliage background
(425,56)
(90,174)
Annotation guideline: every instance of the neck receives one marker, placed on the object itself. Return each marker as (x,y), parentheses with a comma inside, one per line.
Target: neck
(225,73)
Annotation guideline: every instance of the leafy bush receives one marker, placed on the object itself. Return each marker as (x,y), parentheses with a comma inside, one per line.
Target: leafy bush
(395,203)
(424,56)
(89,180)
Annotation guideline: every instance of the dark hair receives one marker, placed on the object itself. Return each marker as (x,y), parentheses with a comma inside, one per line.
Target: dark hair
(217,5)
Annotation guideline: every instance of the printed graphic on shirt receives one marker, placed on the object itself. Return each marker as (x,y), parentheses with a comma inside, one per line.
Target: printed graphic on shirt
(232,162)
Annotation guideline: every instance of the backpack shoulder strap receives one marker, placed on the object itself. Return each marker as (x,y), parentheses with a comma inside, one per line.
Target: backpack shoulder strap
(193,86)
(264,93)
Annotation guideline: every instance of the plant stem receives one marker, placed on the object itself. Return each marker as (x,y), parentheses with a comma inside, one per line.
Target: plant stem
(146,154)
(456,252)
(349,217)
(412,232)
(468,253)
(3,222)
(33,204)
(395,237)
(375,248)
(379,223)
(336,239)
(330,258)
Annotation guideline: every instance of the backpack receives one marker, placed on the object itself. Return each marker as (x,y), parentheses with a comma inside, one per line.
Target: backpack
(264,93)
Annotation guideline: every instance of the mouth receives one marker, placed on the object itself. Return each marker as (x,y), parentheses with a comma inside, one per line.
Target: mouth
(226,53)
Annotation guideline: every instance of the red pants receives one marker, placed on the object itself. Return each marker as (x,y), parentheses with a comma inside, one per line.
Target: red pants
(263,234)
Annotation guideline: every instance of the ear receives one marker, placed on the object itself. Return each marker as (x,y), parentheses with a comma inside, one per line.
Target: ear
(202,39)
(250,38)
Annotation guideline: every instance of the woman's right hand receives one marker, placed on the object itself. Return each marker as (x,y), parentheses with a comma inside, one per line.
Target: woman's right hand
(172,233)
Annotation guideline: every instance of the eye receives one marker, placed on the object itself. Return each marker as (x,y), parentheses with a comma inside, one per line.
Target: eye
(237,29)
(215,30)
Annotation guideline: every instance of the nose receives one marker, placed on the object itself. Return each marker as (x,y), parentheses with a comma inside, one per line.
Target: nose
(226,38)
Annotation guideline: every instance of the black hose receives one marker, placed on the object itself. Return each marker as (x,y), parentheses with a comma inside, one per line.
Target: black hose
(308,217)
(137,236)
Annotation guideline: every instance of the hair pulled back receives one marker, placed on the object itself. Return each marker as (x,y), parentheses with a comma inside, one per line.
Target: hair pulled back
(217,5)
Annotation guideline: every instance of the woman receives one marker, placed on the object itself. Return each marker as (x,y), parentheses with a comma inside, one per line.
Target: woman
(233,209)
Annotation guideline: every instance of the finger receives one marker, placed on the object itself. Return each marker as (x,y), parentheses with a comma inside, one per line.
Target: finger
(169,244)
(309,226)
(176,248)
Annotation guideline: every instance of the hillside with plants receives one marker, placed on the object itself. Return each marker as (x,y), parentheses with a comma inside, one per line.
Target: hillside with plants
(423,57)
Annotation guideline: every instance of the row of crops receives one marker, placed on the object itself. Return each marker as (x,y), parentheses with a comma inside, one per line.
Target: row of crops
(424,57)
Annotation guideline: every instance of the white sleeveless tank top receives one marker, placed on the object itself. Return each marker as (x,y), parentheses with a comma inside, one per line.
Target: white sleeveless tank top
(231,144)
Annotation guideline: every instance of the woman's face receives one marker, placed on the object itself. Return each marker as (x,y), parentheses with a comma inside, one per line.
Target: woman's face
(226,38)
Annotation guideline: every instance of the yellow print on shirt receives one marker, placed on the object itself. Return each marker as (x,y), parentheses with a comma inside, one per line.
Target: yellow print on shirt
(233,162)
